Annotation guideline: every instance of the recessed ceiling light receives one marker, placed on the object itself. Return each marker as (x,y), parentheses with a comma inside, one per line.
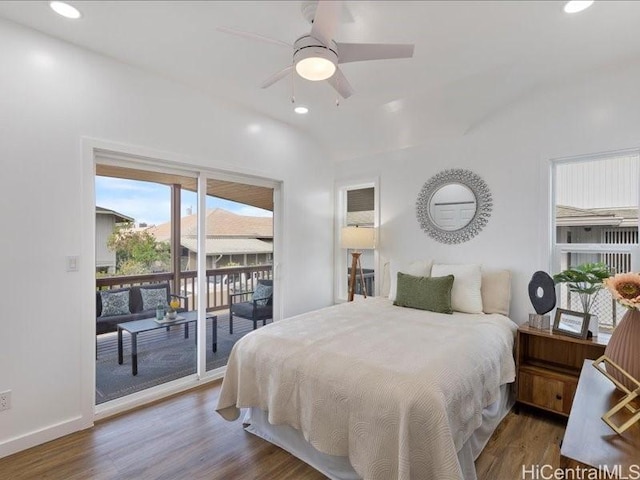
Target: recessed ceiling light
(301,110)
(575,6)
(66,10)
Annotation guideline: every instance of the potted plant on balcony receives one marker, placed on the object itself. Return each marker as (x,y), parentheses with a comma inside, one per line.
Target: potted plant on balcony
(172,313)
(586,280)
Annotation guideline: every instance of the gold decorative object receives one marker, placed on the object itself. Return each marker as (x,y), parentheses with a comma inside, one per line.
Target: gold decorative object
(630,395)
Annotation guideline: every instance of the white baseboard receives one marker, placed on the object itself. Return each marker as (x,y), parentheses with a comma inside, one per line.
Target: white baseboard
(38,437)
(75,424)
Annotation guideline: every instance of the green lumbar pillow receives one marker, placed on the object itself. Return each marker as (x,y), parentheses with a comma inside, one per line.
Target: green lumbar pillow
(425,293)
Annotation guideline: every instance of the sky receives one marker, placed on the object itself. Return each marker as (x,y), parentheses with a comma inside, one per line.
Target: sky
(150,203)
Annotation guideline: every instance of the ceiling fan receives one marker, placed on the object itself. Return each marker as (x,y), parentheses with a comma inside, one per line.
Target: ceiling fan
(316,56)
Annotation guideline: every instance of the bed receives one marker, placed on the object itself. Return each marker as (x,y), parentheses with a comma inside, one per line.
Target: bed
(371,390)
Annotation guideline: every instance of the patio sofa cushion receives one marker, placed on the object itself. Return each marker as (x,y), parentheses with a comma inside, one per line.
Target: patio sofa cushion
(153,296)
(105,324)
(245,310)
(114,302)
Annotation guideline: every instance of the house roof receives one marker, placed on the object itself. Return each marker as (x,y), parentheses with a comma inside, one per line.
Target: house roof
(227,233)
(220,223)
(119,217)
(567,216)
(229,246)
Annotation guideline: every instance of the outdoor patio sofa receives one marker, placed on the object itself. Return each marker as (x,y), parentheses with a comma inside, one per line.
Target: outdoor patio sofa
(132,303)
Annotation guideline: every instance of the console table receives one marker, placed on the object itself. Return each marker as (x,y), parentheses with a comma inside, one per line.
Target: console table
(588,441)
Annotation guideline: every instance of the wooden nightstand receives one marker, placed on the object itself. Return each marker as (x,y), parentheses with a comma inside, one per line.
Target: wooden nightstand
(548,367)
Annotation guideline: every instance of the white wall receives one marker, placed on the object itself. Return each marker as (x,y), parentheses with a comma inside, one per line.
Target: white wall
(511,152)
(51,95)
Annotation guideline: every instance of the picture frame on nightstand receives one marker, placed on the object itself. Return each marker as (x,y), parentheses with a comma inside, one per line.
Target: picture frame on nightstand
(570,323)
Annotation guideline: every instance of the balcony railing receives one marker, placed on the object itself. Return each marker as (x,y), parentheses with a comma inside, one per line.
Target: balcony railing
(220,282)
(369,281)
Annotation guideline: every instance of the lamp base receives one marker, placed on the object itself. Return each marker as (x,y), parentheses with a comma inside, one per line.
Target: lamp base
(356,265)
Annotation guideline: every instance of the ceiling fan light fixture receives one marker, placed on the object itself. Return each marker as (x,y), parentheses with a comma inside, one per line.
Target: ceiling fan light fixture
(315,63)
(575,6)
(315,68)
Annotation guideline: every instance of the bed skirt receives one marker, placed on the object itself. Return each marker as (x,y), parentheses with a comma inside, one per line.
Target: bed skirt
(339,468)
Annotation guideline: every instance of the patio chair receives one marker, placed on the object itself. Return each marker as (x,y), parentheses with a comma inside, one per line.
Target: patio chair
(252,305)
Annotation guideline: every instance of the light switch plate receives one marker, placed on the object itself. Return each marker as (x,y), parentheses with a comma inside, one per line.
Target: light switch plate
(73,262)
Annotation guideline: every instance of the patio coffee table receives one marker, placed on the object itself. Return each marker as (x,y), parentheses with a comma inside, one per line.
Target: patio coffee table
(149,324)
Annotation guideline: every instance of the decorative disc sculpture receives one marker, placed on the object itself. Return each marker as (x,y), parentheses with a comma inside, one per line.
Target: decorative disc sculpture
(547,301)
(542,303)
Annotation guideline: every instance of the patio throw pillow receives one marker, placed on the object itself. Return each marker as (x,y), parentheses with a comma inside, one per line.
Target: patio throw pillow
(153,297)
(114,303)
(424,293)
(261,294)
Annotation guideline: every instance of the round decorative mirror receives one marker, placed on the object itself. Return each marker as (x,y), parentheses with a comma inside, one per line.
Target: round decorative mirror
(454,206)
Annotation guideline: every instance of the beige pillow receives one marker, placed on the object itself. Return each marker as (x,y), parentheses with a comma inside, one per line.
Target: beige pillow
(418,268)
(496,291)
(465,294)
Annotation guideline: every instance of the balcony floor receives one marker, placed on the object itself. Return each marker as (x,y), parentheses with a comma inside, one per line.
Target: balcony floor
(162,356)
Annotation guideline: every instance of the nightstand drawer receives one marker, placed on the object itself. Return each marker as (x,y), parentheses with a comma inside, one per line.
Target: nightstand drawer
(548,392)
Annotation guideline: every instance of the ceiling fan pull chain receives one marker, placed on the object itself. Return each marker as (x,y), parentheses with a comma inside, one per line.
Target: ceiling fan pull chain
(293,89)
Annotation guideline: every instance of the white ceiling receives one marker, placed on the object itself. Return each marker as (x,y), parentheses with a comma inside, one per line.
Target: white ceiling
(471,58)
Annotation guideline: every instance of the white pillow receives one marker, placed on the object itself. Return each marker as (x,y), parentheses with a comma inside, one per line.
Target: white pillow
(496,291)
(418,268)
(466,295)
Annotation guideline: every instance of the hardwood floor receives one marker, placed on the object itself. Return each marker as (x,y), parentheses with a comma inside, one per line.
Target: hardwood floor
(183,438)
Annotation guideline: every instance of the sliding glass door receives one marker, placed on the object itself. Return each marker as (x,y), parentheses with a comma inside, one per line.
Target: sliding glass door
(184,268)
(145,315)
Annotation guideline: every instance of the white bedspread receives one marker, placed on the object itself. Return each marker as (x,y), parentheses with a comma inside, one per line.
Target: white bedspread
(397,390)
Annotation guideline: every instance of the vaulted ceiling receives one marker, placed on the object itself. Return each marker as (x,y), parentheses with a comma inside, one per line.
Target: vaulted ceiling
(471,59)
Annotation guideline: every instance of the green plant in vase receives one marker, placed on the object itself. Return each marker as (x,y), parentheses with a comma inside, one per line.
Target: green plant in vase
(586,280)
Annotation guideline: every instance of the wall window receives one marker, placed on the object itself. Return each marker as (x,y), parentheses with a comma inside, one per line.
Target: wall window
(356,205)
(595,219)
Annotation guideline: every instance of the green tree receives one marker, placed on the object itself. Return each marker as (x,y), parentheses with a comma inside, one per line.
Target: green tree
(138,252)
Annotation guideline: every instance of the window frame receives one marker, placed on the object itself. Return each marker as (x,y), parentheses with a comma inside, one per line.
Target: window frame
(558,250)
(341,256)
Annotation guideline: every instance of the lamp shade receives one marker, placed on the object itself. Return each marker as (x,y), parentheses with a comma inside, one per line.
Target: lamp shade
(358,238)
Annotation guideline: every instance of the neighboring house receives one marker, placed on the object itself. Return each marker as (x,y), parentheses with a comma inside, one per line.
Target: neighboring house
(599,226)
(106,221)
(231,239)
(597,203)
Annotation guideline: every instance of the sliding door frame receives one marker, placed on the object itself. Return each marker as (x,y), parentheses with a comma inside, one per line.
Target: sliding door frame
(96,152)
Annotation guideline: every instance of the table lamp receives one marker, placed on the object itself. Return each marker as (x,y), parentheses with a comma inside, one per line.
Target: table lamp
(357,238)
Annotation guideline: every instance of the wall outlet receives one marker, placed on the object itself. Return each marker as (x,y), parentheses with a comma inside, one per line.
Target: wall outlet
(5,400)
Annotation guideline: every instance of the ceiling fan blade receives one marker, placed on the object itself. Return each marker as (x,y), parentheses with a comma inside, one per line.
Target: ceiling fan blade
(325,21)
(357,52)
(276,76)
(253,36)
(341,84)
